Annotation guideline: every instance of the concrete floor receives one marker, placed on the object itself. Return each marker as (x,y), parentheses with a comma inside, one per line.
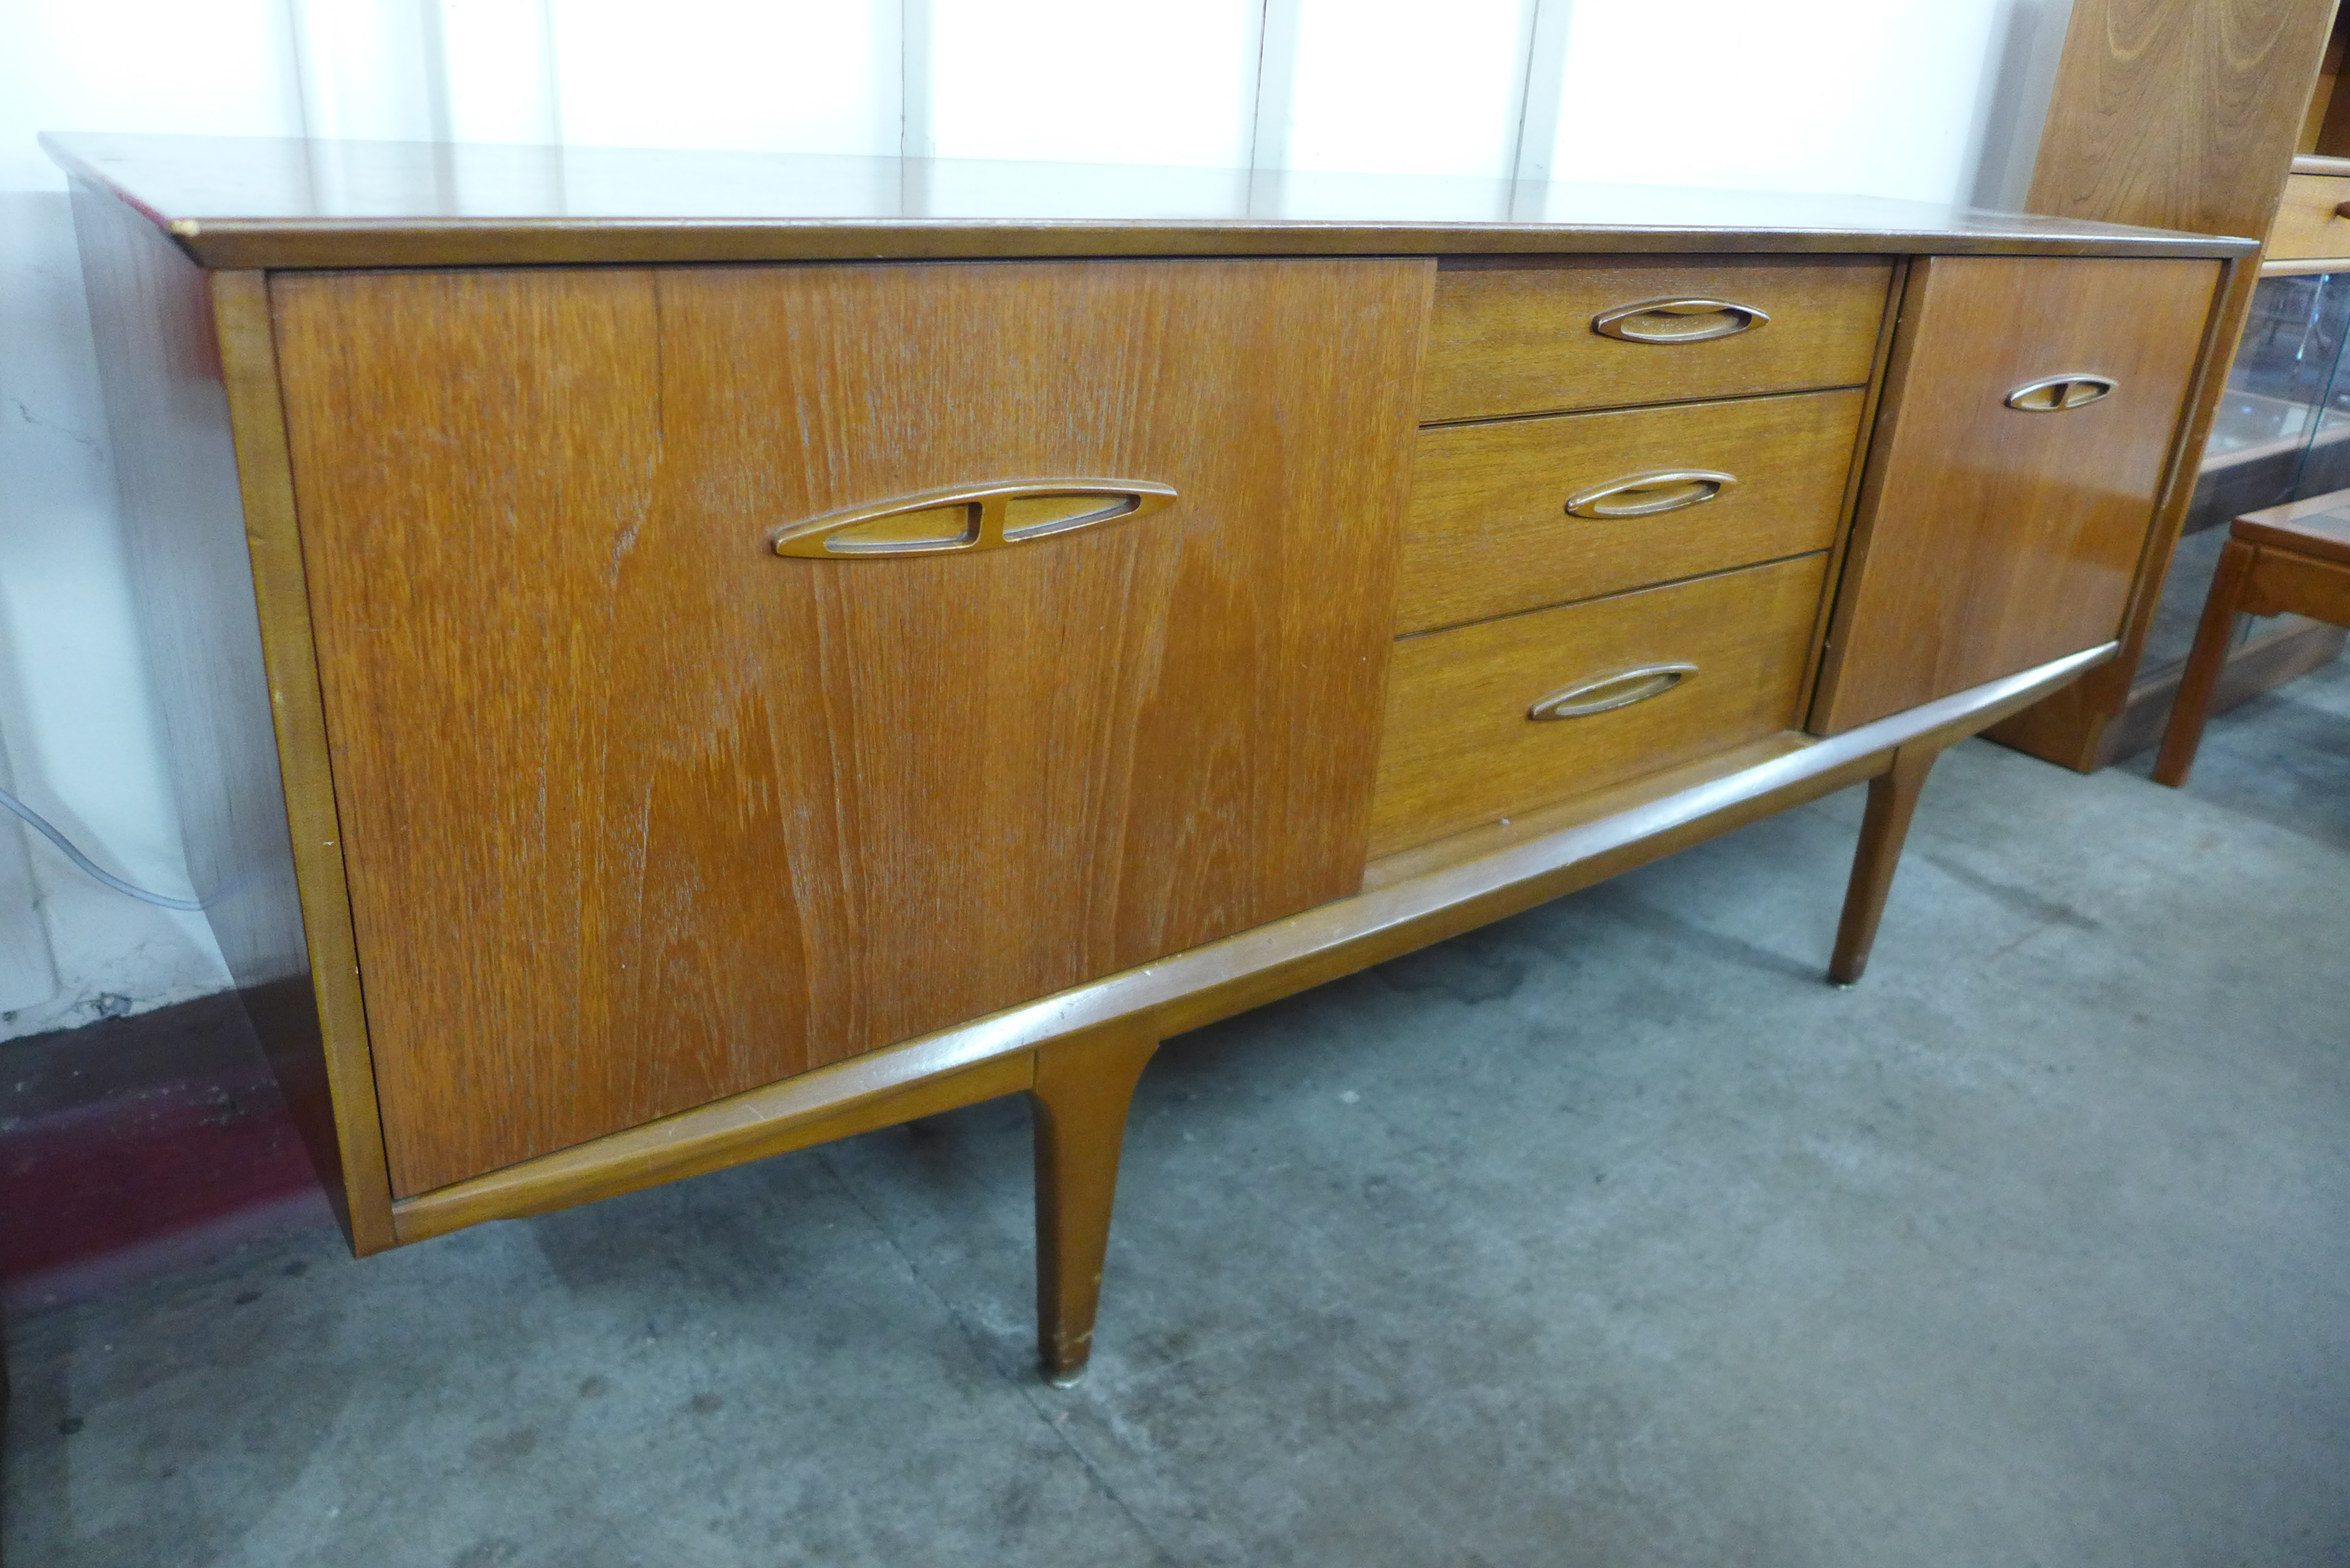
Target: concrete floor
(1608,1235)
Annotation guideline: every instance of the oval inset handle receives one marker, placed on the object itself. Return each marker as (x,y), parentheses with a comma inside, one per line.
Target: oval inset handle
(2055,394)
(971,517)
(1678,321)
(1603,693)
(1646,494)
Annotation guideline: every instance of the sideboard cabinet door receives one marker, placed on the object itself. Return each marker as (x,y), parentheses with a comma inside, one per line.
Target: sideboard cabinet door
(640,812)
(2028,420)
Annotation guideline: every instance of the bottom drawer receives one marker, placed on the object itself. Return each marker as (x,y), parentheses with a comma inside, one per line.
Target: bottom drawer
(1627,686)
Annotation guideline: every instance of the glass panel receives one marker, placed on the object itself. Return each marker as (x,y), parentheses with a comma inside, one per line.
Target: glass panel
(2280,379)
(2326,464)
(2283,391)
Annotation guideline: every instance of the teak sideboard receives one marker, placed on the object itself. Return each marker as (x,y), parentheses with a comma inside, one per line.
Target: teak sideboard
(674,657)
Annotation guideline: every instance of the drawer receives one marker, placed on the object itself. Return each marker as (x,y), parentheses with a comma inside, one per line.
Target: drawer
(2306,224)
(1460,746)
(1511,515)
(1550,334)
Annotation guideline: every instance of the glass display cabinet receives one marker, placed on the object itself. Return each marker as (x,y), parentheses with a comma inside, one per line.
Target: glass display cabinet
(2282,433)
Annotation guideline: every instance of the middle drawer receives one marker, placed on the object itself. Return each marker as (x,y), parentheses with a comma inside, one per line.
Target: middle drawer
(1525,512)
(1489,720)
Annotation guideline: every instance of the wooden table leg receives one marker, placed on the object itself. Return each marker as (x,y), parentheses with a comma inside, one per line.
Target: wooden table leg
(2184,734)
(1892,798)
(1083,1088)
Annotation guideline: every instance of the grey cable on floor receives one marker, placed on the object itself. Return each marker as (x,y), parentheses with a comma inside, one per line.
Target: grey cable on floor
(41,826)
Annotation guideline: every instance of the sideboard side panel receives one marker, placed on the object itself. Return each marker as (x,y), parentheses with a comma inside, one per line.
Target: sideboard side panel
(640,814)
(1992,539)
(184,478)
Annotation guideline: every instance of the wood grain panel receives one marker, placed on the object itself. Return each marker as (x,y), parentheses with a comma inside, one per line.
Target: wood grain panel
(2080,725)
(1991,539)
(2178,114)
(319,1018)
(1459,750)
(1514,337)
(641,816)
(2307,223)
(184,421)
(1489,532)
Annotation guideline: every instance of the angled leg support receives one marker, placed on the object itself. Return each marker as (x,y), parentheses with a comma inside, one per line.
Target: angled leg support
(2184,734)
(1892,799)
(1083,1088)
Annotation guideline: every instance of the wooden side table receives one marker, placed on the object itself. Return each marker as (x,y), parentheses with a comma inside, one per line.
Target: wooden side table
(2291,560)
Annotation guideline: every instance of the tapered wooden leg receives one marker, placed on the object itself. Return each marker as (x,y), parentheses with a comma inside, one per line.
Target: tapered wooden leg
(1083,1089)
(1892,798)
(2184,734)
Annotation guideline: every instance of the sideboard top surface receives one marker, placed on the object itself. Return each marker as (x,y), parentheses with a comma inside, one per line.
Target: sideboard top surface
(266,202)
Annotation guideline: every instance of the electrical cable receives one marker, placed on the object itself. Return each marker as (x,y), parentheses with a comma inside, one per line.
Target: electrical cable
(41,826)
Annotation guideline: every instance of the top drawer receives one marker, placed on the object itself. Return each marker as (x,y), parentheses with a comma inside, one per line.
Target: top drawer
(1543,335)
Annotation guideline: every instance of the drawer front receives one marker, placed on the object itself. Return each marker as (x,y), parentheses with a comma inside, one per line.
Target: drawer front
(641,812)
(2306,224)
(1535,338)
(1460,748)
(1525,512)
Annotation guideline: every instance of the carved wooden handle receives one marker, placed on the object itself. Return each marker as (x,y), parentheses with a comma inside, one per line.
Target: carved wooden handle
(1678,321)
(971,517)
(2055,394)
(1604,693)
(1646,494)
